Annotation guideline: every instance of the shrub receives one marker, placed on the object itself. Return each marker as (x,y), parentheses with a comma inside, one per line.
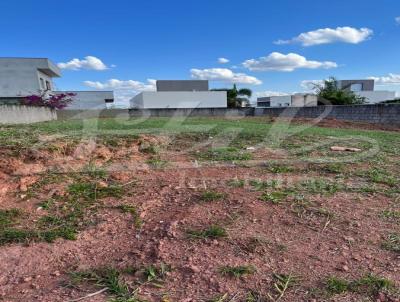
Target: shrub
(53,101)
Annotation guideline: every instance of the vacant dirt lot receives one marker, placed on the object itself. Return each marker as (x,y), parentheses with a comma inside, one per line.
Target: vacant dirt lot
(169,210)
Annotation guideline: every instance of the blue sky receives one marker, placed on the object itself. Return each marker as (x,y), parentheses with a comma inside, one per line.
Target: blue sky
(133,41)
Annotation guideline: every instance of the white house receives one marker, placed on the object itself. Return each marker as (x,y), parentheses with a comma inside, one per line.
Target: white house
(20,77)
(91,99)
(366,89)
(180,94)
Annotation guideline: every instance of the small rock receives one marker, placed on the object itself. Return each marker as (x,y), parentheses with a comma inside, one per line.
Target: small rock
(345,268)
(194,269)
(102,184)
(27,279)
(349,239)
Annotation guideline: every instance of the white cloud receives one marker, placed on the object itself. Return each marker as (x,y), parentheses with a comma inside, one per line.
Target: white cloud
(124,85)
(280,62)
(224,75)
(123,90)
(397,19)
(391,79)
(267,93)
(89,62)
(329,35)
(223,60)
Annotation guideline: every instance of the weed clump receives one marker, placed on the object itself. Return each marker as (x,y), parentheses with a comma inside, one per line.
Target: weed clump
(224,154)
(212,232)
(211,195)
(237,271)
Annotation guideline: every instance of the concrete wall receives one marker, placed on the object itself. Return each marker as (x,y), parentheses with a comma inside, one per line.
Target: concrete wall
(21,76)
(89,99)
(76,114)
(182,85)
(302,100)
(368,85)
(378,113)
(180,99)
(377,96)
(165,112)
(17,114)
(124,113)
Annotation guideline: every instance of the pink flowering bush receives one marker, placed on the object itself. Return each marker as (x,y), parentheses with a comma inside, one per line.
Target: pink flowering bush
(53,101)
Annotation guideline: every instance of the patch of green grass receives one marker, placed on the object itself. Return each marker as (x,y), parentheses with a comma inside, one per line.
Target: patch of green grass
(236,183)
(210,195)
(116,285)
(334,168)
(237,271)
(391,214)
(157,163)
(8,217)
(91,191)
(13,235)
(274,197)
(392,243)
(47,204)
(336,285)
(109,278)
(224,154)
(320,186)
(66,215)
(155,273)
(368,284)
(381,176)
(260,185)
(372,284)
(212,232)
(93,171)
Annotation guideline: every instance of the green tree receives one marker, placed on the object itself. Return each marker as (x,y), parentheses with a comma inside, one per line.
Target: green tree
(237,96)
(329,91)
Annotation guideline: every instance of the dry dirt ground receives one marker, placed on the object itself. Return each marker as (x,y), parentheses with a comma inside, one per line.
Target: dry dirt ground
(144,219)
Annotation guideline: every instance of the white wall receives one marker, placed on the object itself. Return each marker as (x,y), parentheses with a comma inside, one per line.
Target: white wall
(281,101)
(16,114)
(304,100)
(377,96)
(180,99)
(89,99)
(20,77)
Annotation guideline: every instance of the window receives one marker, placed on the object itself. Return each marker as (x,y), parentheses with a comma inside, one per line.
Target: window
(109,100)
(264,104)
(48,86)
(356,87)
(41,83)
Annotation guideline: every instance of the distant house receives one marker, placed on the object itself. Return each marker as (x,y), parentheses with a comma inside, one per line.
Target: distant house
(180,94)
(366,89)
(20,77)
(296,100)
